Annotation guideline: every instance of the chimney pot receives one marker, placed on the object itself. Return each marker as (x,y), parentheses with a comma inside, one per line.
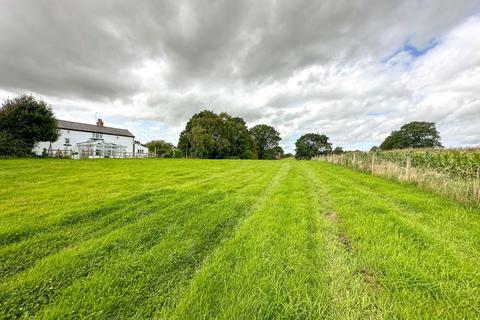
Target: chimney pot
(100,122)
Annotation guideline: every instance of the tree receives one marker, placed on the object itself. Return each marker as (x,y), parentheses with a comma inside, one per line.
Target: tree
(11,146)
(161,148)
(277,153)
(216,136)
(374,149)
(266,140)
(417,134)
(338,150)
(311,145)
(24,122)
(241,143)
(198,138)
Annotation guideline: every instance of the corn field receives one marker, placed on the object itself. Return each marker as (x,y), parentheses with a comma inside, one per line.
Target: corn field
(454,173)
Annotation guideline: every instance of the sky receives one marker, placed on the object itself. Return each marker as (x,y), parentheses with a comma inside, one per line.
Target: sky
(353,70)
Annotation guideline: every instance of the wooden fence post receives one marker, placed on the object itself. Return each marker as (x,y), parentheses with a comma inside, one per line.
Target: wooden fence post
(407,168)
(476,186)
(353,160)
(373,163)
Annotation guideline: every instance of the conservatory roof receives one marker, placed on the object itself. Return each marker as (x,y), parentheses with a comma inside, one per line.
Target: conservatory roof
(100,144)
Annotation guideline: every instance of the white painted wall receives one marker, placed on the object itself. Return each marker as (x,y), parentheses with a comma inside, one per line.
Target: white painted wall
(141,149)
(75,137)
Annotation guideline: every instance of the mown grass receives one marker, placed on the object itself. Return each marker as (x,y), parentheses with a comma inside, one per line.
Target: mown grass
(197,239)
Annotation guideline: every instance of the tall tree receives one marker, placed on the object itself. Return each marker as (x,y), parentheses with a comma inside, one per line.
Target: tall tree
(417,134)
(311,145)
(266,141)
(241,142)
(25,121)
(213,136)
(200,135)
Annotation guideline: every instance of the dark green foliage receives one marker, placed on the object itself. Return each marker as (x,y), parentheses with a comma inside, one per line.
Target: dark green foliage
(25,121)
(338,150)
(161,148)
(417,134)
(277,152)
(11,146)
(177,153)
(311,145)
(239,138)
(216,136)
(266,142)
(374,149)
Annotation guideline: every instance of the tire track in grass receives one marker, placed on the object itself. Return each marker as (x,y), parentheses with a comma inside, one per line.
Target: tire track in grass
(271,268)
(422,278)
(44,284)
(350,295)
(418,230)
(419,206)
(411,240)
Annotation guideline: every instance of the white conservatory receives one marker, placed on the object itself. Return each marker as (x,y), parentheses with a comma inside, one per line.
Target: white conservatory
(101,149)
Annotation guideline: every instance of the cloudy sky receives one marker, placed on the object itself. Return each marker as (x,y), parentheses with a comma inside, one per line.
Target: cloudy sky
(354,70)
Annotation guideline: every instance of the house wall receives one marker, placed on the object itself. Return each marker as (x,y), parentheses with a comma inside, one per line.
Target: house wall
(75,137)
(141,149)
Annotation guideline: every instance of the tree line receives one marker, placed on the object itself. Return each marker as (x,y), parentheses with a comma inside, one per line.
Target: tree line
(222,136)
(25,121)
(208,135)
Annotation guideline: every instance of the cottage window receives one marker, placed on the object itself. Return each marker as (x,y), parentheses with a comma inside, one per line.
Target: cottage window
(67,140)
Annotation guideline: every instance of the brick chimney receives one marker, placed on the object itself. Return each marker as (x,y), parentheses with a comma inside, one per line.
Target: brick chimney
(100,122)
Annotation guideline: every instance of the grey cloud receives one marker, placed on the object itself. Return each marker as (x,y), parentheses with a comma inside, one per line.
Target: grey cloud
(178,108)
(89,47)
(243,57)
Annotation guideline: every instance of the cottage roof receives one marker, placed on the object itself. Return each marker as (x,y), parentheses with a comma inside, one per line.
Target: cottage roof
(77,126)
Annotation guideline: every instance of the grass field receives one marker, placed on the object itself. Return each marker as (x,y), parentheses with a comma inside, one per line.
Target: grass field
(195,239)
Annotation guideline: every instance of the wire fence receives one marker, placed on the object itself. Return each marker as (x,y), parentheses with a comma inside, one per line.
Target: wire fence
(453,173)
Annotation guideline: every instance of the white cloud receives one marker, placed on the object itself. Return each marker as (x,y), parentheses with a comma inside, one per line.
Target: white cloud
(332,67)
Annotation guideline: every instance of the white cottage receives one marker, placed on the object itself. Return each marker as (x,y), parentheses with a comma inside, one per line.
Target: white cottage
(92,141)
